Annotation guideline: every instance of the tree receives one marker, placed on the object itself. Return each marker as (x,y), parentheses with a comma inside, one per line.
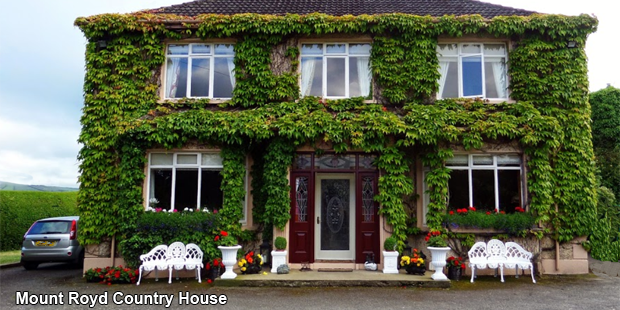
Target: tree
(606,136)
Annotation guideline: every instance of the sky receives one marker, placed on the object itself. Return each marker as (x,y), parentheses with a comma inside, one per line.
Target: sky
(42,74)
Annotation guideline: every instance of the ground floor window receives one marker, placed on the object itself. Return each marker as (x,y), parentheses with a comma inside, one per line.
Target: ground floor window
(486,182)
(179,181)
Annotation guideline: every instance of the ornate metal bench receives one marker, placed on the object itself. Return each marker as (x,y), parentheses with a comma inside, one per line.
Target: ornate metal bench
(495,254)
(174,257)
(517,257)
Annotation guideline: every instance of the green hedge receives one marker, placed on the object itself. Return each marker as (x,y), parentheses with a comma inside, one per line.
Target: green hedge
(19,209)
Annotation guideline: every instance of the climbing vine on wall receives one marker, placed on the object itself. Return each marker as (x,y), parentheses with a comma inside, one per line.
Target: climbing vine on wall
(124,116)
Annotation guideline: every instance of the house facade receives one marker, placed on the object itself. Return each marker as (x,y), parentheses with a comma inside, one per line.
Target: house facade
(337,124)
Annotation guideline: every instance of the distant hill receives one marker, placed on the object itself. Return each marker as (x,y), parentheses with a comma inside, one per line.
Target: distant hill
(7,186)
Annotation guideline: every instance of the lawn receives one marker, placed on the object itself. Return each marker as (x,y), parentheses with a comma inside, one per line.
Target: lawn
(10,257)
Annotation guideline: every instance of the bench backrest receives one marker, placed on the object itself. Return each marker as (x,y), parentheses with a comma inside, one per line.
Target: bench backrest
(496,248)
(176,251)
(478,251)
(515,251)
(157,254)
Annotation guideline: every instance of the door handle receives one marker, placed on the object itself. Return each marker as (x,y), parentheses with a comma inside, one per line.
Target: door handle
(318,220)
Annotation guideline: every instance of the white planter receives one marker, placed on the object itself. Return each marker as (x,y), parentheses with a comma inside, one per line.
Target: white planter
(390,261)
(229,258)
(439,261)
(278,258)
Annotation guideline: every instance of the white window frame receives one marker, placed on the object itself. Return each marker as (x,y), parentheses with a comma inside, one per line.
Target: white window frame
(190,57)
(335,55)
(470,168)
(199,166)
(459,60)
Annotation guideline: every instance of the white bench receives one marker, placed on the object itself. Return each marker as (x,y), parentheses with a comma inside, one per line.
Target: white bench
(174,257)
(497,255)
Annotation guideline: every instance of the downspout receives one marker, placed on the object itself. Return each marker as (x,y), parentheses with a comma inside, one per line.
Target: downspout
(112,251)
(557,247)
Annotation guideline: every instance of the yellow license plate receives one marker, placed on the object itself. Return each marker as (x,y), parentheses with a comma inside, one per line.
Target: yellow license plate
(45,243)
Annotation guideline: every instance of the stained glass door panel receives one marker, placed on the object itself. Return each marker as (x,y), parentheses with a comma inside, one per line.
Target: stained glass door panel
(335,219)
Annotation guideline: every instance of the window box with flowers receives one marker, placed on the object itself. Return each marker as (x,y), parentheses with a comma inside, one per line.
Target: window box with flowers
(455,266)
(414,264)
(515,223)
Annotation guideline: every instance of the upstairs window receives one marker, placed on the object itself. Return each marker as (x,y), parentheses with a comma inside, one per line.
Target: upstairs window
(200,71)
(470,70)
(335,70)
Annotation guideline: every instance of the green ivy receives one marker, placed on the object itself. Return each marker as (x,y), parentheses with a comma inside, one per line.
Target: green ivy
(124,116)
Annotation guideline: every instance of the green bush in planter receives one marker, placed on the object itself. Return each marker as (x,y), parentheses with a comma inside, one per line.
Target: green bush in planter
(280,243)
(514,223)
(390,244)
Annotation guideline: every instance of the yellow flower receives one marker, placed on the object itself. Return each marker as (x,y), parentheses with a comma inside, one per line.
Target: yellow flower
(243,268)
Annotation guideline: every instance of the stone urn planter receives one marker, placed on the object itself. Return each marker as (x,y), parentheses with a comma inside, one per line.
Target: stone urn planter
(438,256)
(229,258)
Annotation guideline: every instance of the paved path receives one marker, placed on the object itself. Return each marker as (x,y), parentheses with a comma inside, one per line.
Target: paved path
(594,291)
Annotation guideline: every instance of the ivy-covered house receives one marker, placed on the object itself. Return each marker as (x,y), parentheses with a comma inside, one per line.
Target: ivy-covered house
(338,123)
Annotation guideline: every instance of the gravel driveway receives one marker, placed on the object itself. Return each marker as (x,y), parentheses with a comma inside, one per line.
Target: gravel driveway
(594,291)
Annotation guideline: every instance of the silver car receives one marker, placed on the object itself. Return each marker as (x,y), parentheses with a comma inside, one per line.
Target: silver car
(52,240)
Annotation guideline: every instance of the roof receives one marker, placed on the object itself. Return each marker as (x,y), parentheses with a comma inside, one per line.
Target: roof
(434,8)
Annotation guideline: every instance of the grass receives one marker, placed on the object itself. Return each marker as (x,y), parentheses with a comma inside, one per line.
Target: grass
(8,257)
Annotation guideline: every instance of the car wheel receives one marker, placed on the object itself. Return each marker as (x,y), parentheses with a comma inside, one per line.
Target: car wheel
(30,266)
(80,260)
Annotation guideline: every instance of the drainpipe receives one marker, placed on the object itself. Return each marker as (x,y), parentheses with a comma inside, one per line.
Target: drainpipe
(112,251)
(557,247)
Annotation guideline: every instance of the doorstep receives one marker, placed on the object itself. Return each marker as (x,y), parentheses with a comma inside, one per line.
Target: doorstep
(297,278)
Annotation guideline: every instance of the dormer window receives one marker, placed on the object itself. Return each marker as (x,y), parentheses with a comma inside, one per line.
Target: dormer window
(335,70)
(470,70)
(199,70)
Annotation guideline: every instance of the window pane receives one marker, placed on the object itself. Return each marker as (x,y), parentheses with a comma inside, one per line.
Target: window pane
(451,83)
(509,160)
(201,49)
(178,49)
(447,49)
(187,159)
(176,77)
(509,193)
(161,159)
(359,49)
(312,76)
(186,189)
(224,49)
(301,199)
(495,77)
(211,195)
(483,186)
(335,77)
(482,160)
(458,190)
(312,49)
(359,77)
(334,162)
(161,187)
(368,202)
(495,49)
(200,77)
(223,80)
(458,160)
(211,160)
(302,162)
(471,49)
(367,161)
(472,76)
(336,48)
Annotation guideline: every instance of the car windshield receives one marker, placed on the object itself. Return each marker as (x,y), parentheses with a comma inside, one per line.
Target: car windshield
(50,227)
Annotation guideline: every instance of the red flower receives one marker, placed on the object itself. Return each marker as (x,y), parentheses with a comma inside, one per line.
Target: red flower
(488,212)
(208,266)
(462,266)
(209,281)
(472,208)
(223,233)
(216,238)
(436,233)
(216,262)
(384,108)
(214,211)
(451,212)
(426,239)
(502,212)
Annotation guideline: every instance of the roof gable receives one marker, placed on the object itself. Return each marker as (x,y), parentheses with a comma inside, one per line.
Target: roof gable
(434,8)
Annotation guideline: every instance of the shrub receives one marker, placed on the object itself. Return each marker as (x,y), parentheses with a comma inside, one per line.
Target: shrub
(390,244)
(280,243)
(19,209)
(515,223)
(112,275)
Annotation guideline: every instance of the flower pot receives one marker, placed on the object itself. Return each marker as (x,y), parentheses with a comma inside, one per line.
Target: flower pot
(412,269)
(390,261)
(252,269)
(229,258)
(278,258)
(454,273)
(438,256)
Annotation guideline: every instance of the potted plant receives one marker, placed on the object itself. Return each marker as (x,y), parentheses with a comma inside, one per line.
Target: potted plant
(414,264)
(390,255)
(278,256)
(229,247)
(251,263)
(455,267)
(438,246)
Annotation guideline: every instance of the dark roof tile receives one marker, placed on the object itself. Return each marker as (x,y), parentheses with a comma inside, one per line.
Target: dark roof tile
(343,7)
